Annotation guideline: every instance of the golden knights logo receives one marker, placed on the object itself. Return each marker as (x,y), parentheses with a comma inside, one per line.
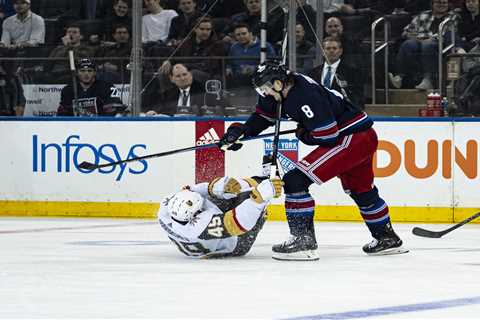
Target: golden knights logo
(287,152)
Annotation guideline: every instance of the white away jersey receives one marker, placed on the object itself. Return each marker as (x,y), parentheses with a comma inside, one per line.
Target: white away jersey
(213,231)
(186,237)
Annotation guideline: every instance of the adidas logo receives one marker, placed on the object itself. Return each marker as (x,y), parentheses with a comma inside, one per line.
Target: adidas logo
(208,137)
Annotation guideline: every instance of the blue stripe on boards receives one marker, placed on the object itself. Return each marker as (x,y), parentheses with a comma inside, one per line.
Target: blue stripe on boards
(116,119)
(206,118)
(444,304)
(424,119)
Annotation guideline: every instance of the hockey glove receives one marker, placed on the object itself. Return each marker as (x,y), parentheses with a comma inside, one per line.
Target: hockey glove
(224,188)
(234,132)
(266,190)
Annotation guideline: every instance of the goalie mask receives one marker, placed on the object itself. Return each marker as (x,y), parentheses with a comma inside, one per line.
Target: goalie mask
(269,75)
(183,205)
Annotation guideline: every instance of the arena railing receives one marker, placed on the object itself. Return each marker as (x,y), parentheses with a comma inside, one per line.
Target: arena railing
(442,49)
(383,46)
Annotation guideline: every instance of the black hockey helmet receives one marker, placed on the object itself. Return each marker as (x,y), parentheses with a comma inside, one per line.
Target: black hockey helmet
(266,74)
(86,64)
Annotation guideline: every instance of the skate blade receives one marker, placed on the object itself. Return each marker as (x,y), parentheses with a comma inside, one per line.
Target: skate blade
(391,251)
(307,255)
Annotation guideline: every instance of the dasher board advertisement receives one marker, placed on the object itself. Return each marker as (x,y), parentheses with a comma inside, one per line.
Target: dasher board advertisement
(418,164)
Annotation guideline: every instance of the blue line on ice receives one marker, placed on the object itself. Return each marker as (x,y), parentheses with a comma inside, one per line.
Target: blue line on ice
(393,310)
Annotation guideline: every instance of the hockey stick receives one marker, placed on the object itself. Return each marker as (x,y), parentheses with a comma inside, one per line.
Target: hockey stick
(276,139)
(278,119)
(92,166)
(438,234)
(73,72)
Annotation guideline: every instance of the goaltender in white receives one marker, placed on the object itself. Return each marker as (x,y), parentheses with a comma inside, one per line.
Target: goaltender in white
(218,219)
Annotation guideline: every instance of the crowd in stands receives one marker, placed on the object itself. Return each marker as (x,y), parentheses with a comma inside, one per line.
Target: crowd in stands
(215,39)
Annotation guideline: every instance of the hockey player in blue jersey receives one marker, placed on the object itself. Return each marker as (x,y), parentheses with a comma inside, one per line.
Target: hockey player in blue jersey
(346,143)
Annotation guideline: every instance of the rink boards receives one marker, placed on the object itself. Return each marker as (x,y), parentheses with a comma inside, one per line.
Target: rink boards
(425,170)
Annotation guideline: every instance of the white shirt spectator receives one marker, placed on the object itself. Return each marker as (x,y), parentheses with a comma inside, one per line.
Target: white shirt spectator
(156,26)
(31,30)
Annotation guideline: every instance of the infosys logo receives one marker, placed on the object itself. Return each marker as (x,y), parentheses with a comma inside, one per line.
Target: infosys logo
(66,156)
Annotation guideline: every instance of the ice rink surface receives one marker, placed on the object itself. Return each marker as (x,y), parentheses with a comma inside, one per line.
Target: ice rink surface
(111,268)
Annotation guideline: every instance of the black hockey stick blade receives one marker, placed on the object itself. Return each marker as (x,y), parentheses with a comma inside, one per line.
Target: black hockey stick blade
(92,166)
(426,233)
(87,165)
(438,234)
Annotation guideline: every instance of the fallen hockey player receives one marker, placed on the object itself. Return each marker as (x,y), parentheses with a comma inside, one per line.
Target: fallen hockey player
(218,219)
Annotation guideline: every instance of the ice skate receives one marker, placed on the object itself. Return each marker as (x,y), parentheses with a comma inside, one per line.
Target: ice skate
(296,248)
(387,243)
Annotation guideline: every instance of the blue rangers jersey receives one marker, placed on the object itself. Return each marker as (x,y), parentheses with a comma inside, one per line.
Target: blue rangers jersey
(323,113)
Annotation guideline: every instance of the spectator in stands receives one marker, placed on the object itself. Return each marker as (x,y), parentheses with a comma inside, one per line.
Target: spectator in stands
(251,17)
(25,29)
(156,24)
(422,46)
(330,7)
(334,27)
(335,74)
(95,97)
(6,9)
(114,70)
(59,70)
(12,99)
(469,25)
(183,23)
(351,48)
(187,95)
(470,62)
(307,16)
(120,15)
(305,50)
(247,46)
(202,46)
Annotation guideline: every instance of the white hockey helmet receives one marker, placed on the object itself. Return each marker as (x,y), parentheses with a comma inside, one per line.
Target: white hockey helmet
(184,204)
